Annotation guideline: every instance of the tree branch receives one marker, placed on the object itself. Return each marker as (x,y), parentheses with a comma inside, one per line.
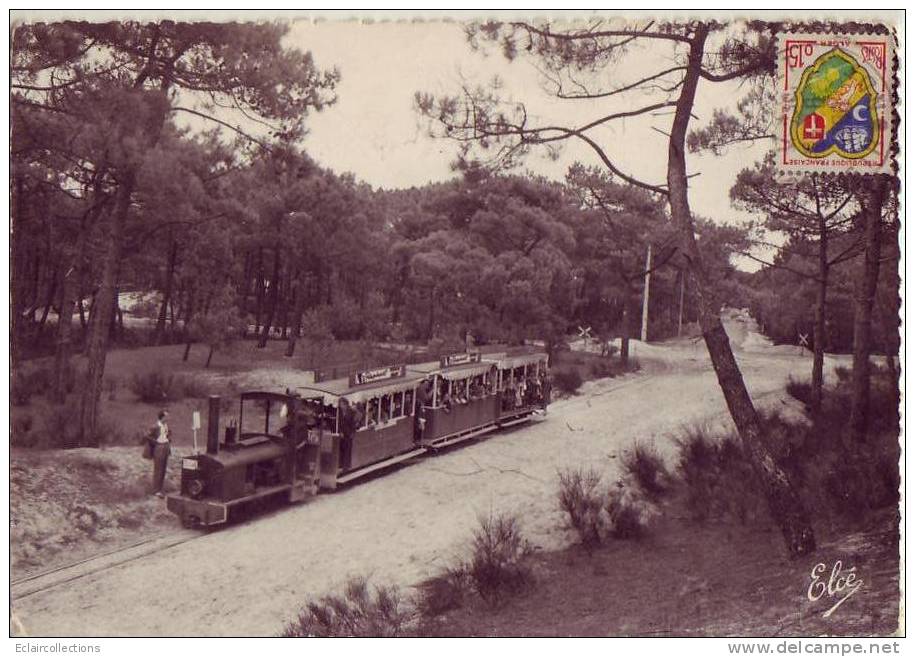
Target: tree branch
(209,117)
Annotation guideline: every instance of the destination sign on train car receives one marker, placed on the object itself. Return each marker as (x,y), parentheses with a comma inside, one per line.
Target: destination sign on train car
(378,374)
(459,359)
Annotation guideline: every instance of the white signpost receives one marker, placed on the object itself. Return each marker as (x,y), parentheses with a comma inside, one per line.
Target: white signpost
(195,425)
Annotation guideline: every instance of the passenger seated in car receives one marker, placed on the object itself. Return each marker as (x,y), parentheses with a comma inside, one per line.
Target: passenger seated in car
(508,397)
(373,413)
(460,392)
(359,418)
(476,388)
(442,389)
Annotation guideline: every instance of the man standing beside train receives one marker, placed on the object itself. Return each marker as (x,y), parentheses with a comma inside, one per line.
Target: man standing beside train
(161,450)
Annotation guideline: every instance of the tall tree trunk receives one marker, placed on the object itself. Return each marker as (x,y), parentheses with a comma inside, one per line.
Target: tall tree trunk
(864,306)
(430,329)
(298,309)
(81,306)
(64,336)
(188,319)
(118,316)
(624,334)
(166,292)
(259,292)
(103,313)
(682,275)
(784,504)
(272,300)
(49,302)
(819,325)
(72,294)
(19,264)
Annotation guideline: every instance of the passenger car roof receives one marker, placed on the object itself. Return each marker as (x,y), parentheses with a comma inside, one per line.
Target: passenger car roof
(335,388)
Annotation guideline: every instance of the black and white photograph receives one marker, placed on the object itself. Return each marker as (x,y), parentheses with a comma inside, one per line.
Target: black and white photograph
(457,323)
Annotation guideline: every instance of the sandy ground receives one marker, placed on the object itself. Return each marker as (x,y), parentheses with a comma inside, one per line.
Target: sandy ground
(404,526)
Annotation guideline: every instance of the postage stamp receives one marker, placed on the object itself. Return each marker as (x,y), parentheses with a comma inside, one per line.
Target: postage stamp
(836,109)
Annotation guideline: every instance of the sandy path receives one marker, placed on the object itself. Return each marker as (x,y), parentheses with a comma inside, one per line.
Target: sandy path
(402,527)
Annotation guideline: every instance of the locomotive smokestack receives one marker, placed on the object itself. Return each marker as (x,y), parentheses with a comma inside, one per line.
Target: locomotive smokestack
(213,426)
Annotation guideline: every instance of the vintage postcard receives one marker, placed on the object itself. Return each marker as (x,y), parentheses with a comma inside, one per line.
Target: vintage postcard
(457,324)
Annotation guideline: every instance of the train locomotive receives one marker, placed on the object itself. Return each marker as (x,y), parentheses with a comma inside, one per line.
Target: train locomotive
(293,444)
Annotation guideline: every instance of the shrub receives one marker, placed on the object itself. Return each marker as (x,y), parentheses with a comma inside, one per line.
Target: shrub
(843,373)
(154,387)
(497,567)
(85,518)
(582,500)
(719,478)
(359,612)
(648,470)
(38,381)
(800,390)
(567,381)
(630,512)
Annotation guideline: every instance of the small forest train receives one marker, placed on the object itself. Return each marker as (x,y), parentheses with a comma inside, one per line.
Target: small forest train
(293,444)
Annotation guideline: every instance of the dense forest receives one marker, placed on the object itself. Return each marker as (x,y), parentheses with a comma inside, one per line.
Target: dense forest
(165,159)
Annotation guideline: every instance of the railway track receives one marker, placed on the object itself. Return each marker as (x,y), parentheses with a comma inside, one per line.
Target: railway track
(48,579)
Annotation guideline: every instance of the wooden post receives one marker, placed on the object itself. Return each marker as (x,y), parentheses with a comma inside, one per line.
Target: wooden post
(645,295)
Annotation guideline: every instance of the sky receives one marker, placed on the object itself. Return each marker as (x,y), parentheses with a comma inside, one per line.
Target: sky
(374,132)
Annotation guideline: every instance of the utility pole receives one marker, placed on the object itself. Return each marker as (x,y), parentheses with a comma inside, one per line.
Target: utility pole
(645,296)
(680,318)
